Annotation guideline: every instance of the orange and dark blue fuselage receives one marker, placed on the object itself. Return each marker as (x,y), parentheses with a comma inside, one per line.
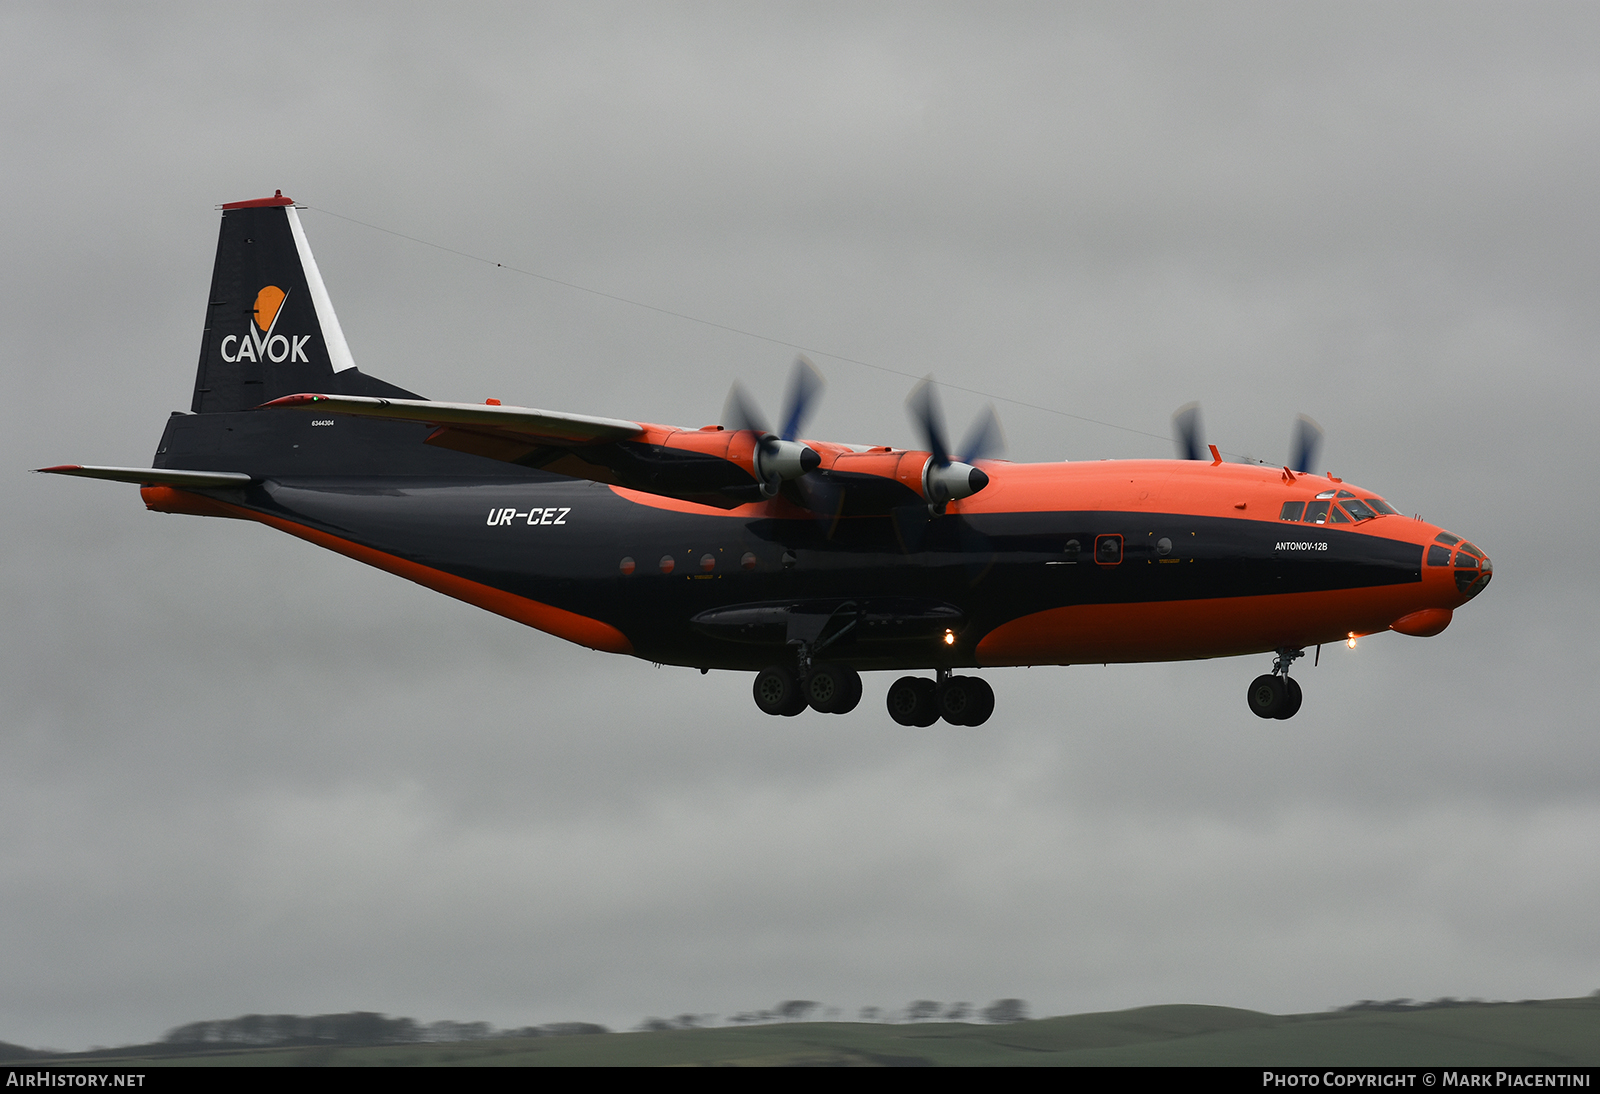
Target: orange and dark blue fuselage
(1052,564)
(803,561)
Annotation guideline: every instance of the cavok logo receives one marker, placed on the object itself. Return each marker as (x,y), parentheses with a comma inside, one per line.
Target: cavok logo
(259,343)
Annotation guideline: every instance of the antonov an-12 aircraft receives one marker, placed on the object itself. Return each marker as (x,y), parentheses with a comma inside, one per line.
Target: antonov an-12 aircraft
(741,548)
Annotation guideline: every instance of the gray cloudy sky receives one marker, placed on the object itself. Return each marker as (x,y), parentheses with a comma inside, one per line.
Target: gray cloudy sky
(241,774)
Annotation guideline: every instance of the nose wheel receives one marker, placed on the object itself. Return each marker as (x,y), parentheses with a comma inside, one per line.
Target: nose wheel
(1275,695)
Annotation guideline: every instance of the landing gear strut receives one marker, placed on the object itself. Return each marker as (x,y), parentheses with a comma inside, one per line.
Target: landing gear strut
(1275,695)
(959,700)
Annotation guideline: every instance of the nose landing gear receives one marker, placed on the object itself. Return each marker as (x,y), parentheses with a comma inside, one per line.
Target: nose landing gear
(1275,695)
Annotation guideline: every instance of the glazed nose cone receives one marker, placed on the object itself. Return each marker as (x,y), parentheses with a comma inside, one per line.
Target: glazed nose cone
(1473,572)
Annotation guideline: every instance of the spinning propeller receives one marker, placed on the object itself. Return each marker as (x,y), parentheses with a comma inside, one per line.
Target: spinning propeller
(1304,446)
(778,457)
(1307,440)
(946,479)
(1186,431)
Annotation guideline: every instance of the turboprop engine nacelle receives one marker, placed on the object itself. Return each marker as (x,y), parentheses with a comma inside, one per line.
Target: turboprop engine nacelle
(777,460)
(953,481)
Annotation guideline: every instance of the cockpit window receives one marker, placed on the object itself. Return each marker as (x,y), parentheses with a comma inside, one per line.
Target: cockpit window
(1326,494)
(1438,556)
(1317,512)
(1358,509)
(1471,550)
(1336,516)
(1381,506)
(1346,494)
(1447,539)
(1292,510)
(1466,560)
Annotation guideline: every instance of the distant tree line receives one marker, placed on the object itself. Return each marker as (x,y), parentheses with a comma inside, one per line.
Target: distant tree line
(364,1027)
(353,1028)
(1408,1004)
(799,1010)
(926,1010)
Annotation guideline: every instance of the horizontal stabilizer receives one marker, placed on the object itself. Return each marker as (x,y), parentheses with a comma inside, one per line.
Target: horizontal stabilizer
(544,426)
(145,476)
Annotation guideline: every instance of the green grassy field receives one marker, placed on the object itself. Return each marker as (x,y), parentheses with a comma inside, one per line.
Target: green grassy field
(1550,1033)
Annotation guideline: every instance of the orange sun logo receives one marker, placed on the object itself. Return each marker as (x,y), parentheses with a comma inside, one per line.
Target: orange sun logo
(268,301)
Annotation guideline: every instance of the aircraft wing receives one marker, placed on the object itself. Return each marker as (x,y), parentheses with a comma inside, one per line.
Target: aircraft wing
(654,459)
(711,467)
(549,427)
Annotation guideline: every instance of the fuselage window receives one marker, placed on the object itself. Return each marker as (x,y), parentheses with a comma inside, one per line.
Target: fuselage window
(1336,516)
(1438,556)
(1383,507)
(1317,512)
(1292,510)
(1358,510)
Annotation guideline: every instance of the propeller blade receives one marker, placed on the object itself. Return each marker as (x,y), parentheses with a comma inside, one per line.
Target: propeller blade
(1307,440)
(805,384)
(741,412)
(923,406)
(1186,431)
(985,439)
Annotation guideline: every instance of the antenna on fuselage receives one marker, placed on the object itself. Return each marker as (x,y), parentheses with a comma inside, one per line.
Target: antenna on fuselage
(1304,444)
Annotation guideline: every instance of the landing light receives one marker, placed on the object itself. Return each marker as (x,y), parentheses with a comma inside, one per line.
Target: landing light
(1352,642)
(949,638)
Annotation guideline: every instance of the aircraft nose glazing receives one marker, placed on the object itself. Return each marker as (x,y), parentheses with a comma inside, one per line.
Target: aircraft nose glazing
(1473,570)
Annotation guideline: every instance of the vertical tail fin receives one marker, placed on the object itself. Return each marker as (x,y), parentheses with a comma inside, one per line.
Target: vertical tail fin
(270,327)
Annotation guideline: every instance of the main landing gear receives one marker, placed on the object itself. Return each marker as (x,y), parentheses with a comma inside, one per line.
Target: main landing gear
(827,689)
(1274,695)
(836,689)
(959,700)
